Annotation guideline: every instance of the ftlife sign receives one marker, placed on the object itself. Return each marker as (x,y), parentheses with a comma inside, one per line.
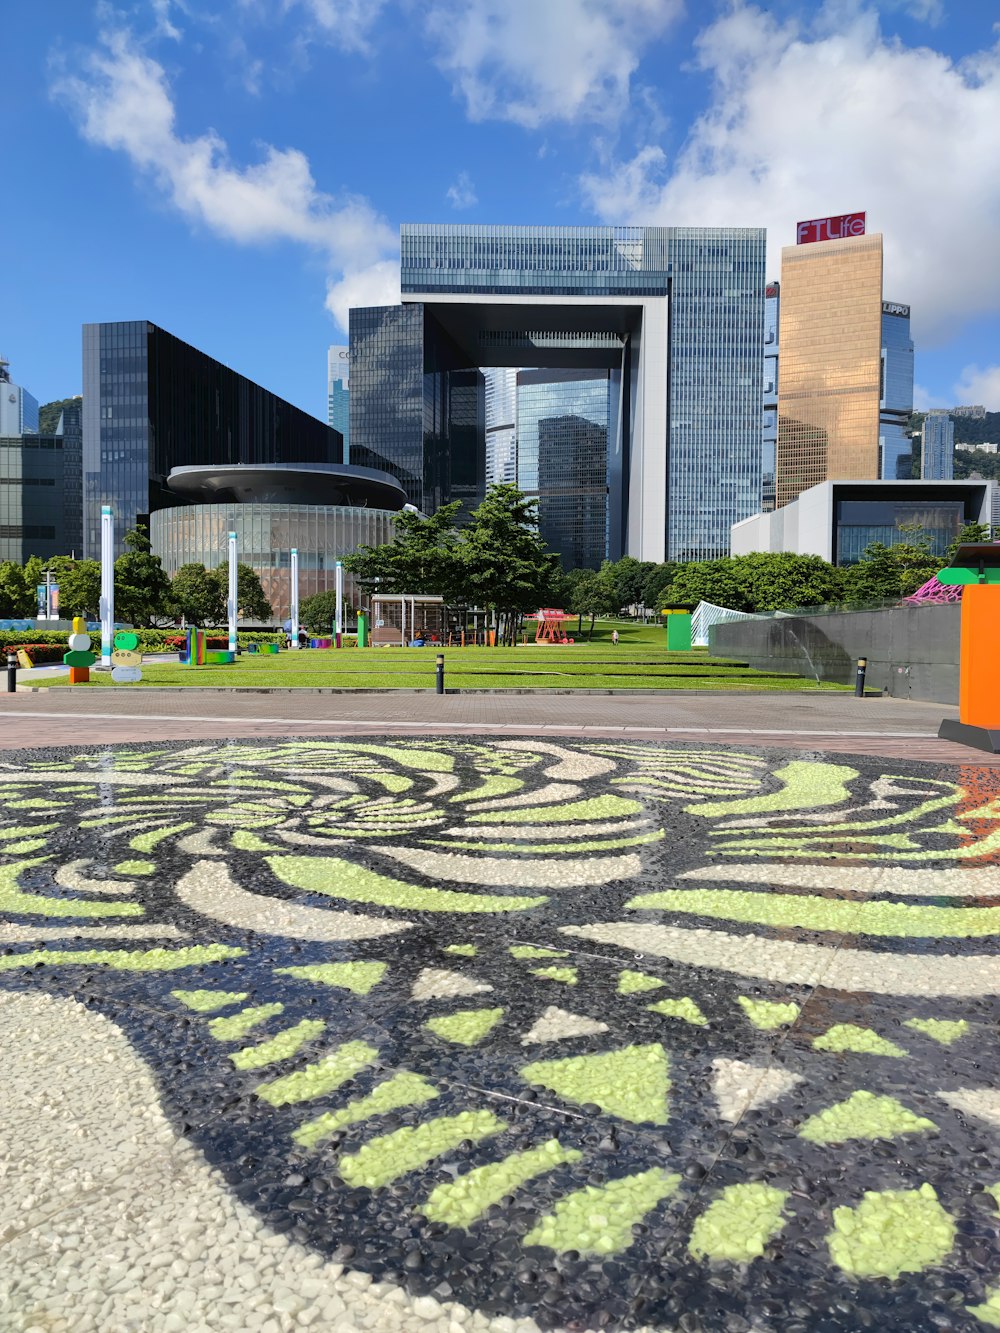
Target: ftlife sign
(830,229)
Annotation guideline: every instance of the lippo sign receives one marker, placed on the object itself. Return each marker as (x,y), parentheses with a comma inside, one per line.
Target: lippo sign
(830,229)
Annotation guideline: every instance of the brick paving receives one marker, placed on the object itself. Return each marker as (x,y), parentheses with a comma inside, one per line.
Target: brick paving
(832,722)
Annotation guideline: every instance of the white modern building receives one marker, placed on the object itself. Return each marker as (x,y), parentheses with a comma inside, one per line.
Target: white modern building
(501,424)
(836,520)
(18,408)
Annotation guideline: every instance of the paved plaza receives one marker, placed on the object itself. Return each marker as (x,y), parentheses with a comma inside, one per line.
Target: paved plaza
(509,1014)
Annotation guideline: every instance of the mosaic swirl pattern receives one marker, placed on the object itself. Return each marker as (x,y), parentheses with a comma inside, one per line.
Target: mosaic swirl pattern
(601,1034)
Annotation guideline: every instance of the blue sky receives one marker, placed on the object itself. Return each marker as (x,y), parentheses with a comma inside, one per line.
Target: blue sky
(237,170)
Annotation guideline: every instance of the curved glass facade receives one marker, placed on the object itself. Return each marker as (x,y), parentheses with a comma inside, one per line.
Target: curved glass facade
(266,533)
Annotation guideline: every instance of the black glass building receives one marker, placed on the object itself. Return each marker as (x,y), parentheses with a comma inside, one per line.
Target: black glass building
(418,410)
(40,492)
(152,403)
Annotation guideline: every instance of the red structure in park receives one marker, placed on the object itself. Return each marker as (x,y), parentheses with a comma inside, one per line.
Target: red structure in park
(550,625)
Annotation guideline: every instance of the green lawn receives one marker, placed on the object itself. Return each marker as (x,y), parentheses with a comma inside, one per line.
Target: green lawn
(638,662)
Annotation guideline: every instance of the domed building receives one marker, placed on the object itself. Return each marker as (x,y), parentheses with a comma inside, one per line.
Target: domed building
(324,510)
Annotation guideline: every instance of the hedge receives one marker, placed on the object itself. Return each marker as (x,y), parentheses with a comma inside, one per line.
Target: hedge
(41,654)
(150,640)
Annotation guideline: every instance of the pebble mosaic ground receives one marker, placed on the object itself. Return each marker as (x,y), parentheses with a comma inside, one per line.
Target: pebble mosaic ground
(504,1034)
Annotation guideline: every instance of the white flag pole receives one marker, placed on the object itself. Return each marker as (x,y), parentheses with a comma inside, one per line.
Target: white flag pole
(338,628)
(107,604)
(295,597)
(233,592)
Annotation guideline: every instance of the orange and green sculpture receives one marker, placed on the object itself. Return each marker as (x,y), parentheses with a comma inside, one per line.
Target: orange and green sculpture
(976,566)
(79,659)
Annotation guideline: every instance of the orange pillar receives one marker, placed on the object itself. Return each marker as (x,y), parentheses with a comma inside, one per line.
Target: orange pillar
(979,657)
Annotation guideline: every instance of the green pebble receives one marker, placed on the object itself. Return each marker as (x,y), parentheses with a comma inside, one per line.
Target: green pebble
(864,1115)
(357,977)
(598,1219)
(568,975)
(238,1025)
(738,1225)
(941,1030)
(685,1008)
(281,1047)
(466,1027)
(860,1041)
(989,1312)
(891,1232)
(630,983)
(767,1014)
(206,1001)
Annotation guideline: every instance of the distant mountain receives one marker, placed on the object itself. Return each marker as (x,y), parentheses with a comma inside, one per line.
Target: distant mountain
(49,413)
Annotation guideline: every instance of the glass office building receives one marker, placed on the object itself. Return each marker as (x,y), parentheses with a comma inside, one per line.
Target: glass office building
(564,421)
(673,314)
(896,395)
(40,492)
(152,402)
(501,424)
(937,457)
(831,363)
(338,391)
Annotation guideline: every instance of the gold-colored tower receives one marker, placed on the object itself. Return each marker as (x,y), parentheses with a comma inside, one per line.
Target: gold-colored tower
(829,381)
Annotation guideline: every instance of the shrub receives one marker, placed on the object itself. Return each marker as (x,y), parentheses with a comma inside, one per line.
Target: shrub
(40,653)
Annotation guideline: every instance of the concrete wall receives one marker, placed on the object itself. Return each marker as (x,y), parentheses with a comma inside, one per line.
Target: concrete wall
(912,651)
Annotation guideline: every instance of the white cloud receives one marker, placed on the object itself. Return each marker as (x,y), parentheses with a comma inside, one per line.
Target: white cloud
(924,400)
(164,26)
(345,23)
(530,62)
(924,11)
(805,122)
(123,102)
(378,284)
(463,193)
(978,384)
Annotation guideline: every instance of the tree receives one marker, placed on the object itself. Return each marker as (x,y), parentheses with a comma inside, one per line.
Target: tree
(885,573)
(79,586)
(504,564)
(971,532)
(629,577)
(17,599)
(764,581)
(250,600)
(142,589)
(421,558)
(658,578)
(319,612)
(595,595)
(197,596)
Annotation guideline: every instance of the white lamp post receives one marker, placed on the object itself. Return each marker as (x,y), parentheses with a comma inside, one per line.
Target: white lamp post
(233,592)
(107,603)
(295,597)
(338,628)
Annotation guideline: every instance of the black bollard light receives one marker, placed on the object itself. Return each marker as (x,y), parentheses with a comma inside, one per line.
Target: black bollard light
(859,680)
(439,686)
(11,673)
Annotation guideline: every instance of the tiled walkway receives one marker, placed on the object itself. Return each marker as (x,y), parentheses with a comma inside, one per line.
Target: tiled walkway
(497,1032)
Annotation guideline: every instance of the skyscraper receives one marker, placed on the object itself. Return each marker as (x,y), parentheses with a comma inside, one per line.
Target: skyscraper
(501,415)
(937,456)
(673,314)
(564,421)
(769,443)
(896,401)
(152,403)
(831,363)
(40,500)
(338,367)
(18,408)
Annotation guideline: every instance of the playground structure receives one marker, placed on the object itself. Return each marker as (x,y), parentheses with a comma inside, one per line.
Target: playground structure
(550,625)
(196,652)
(402,618)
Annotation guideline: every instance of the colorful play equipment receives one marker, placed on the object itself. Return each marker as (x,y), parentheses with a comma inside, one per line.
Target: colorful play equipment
(193,654)
(678,626)
(934,593)
(975,568)
(549,628)
(320,643)
(362,640)
(79,659)
(268,648)
(126,659)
